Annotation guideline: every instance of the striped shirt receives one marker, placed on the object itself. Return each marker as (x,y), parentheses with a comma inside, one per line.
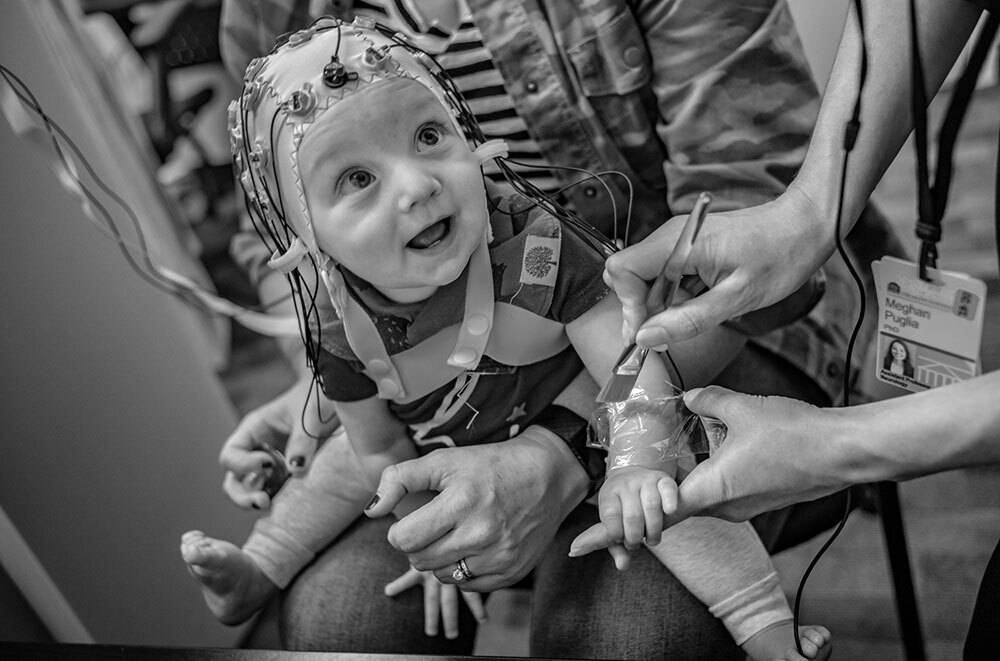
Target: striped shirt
(462,54)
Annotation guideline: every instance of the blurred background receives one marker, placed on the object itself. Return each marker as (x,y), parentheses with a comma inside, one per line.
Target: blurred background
(119,394)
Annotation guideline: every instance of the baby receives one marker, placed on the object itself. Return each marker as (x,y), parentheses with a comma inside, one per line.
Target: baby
(451,314)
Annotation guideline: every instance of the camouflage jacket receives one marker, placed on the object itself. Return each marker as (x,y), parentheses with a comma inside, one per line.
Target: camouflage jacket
(678,95)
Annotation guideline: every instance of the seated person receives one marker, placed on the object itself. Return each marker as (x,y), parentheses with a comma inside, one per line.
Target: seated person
(458,313)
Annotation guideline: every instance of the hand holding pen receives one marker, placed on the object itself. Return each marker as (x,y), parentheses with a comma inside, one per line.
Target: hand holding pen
(657,298)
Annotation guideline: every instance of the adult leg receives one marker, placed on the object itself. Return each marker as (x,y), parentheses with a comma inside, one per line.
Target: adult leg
(336,604)
(584,608)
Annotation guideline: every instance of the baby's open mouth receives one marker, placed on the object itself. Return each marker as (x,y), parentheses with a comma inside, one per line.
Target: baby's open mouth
(432,235)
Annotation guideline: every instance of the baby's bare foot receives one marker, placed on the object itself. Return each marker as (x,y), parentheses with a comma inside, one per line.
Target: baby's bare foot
(233,586)
(816,642)
(776,644)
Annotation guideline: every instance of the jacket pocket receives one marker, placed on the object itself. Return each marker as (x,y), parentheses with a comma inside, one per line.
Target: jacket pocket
(613,60)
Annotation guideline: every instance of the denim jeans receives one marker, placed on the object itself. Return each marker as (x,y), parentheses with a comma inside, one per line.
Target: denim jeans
(582,608)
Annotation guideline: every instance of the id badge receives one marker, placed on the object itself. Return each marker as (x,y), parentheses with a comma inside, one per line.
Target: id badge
(929,333)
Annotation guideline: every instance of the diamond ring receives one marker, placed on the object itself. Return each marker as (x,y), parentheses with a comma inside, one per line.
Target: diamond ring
(462,572)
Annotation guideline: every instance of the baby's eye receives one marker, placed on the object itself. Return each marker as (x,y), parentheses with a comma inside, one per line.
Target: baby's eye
(358,179)
(429,135)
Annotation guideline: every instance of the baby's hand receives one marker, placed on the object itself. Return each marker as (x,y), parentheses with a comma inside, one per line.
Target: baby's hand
(440,601)
(631,504)
(628,489)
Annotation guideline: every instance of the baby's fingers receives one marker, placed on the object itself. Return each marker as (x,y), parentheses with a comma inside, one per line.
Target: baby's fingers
(449,611)
(633,521)
(610,509)
(410,579)
(246,493)
(432,607)
(652,512)
(621,556)
(474,601)
(668,494)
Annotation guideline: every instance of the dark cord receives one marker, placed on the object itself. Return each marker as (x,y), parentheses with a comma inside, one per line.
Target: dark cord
(850,137)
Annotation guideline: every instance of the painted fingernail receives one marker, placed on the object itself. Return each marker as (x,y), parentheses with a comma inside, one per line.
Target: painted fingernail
(373,502)
(297,462)
(255,506)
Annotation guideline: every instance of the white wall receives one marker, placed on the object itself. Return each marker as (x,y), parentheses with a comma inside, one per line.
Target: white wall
(111,414)
(820,23)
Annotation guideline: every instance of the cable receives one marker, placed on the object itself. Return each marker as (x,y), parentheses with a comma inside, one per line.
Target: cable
(850,138)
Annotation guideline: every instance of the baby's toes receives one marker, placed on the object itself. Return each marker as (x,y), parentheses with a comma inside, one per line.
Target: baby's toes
(199,550)
(815,641)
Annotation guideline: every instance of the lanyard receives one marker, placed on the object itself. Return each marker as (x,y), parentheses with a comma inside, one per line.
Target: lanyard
(932,200)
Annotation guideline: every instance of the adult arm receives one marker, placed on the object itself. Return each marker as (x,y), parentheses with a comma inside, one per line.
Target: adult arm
(757,256)
(781,451)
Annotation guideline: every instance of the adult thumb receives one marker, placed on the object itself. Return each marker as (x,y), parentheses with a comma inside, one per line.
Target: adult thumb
(710,401)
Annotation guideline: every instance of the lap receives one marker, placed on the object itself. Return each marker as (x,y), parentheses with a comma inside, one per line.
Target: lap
(337,602)
(582,607)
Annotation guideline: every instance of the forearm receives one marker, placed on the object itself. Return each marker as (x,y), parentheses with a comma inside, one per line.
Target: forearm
(945,428)
(886,119)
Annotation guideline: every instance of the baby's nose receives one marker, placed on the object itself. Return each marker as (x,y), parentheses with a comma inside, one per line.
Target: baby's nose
(416,185)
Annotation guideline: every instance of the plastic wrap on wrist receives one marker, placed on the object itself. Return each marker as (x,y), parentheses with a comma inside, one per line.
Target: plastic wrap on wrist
(651,430)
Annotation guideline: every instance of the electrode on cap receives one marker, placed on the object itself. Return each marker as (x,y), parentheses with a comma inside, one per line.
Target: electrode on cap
(335,74)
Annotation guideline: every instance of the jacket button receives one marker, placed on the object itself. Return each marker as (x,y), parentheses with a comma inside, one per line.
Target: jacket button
(632,56)
(590,191)
(531,86)
(833,370)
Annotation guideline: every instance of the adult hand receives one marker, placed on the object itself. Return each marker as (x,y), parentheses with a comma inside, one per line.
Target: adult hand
(279,425)
(440,601)
(777,452)
(749,258)
(499,506)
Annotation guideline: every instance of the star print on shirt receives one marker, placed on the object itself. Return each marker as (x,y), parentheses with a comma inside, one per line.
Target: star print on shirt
(518,412)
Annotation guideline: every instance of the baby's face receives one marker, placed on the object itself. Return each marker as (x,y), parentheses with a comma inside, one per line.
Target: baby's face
(394,192)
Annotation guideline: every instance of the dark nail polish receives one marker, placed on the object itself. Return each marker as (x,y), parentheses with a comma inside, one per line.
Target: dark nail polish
(373,502)
(255,506)
(297,462)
